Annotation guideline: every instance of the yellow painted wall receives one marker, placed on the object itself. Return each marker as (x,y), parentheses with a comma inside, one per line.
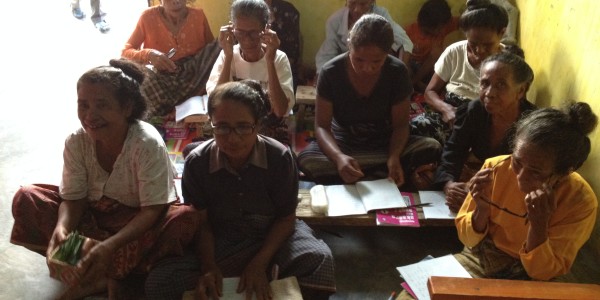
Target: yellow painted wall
(561,39)
(314,14)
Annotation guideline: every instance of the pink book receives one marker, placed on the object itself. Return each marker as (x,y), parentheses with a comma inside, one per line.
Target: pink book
(399,216)
(409,290)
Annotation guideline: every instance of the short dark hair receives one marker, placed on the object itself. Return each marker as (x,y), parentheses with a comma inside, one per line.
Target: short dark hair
(483,14)
(238,92)
(371,29)
(563,132)
(256,9)
(434,13)
(124,77)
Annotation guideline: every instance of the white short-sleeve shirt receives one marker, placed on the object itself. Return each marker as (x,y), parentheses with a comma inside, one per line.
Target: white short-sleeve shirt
(454,68)
(241,69)
(142,175)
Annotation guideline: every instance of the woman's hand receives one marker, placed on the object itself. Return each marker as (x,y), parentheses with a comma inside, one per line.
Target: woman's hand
(161,62)
(227,39)
(422,176)
(348,168)
(58,237)
(210,284)
(271,42)
(540,205)
(254,281)
(456,192)
(449,114)
(95,262)
(395,171)
(479,186)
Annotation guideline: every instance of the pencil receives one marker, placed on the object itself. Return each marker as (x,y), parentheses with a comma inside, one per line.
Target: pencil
(392,295)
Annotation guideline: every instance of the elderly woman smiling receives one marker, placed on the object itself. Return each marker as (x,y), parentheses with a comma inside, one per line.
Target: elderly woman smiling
(117,188)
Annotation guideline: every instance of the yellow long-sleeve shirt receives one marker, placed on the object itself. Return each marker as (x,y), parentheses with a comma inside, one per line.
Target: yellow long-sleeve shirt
(569,227)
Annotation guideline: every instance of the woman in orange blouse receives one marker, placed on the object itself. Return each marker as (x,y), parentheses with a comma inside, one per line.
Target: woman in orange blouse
(175,39)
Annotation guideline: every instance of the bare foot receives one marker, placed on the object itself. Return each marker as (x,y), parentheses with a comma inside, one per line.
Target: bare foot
(80,291)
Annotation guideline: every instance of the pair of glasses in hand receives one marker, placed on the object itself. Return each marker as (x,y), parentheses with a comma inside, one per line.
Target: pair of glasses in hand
(504,209)
(171,53)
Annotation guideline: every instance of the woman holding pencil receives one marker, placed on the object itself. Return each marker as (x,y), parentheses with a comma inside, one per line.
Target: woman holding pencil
(362,112)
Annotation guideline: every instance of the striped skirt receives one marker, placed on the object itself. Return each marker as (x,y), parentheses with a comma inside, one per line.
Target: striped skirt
(302,255)
(166,90)
(372,160)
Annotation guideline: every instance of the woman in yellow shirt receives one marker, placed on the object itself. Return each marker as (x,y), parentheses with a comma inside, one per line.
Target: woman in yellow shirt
(528,214)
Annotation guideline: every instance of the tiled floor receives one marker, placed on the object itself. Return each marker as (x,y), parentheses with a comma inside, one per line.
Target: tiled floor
(44,51)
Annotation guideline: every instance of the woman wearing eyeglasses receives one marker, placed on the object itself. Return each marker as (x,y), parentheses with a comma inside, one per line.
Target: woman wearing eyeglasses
(528,214)
(245,187)
(250,51)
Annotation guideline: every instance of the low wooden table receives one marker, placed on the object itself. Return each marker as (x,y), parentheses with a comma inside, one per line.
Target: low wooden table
(305,213)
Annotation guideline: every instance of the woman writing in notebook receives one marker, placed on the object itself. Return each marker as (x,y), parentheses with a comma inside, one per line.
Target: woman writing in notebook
(362,109)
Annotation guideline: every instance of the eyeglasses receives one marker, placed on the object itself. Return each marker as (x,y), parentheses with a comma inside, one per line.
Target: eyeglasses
(252,34)
(242,129)
(504,209)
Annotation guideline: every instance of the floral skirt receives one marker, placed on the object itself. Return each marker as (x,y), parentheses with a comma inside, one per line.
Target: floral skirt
(35,210)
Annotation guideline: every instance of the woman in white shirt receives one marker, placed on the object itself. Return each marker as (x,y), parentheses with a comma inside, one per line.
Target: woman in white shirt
(117,189)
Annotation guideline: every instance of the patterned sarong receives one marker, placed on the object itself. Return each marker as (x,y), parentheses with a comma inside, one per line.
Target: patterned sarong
(166,90)
(35,210)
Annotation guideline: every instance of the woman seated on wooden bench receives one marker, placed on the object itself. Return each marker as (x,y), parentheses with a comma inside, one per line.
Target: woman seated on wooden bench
(527,214)
(362,109)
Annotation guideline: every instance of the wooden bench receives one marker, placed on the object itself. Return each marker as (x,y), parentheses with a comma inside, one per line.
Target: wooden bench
(451,288)
(305,213)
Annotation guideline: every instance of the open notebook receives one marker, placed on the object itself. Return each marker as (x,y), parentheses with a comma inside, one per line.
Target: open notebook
(359,198)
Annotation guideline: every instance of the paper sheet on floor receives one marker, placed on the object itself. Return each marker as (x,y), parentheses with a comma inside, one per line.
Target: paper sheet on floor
(416,275)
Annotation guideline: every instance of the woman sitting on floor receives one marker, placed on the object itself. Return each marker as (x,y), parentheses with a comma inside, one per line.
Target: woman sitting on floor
(487,126)
(245,186)
(362,108)
(177,41)
(255,56)
(117,188)
(456,73)
(527,214)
